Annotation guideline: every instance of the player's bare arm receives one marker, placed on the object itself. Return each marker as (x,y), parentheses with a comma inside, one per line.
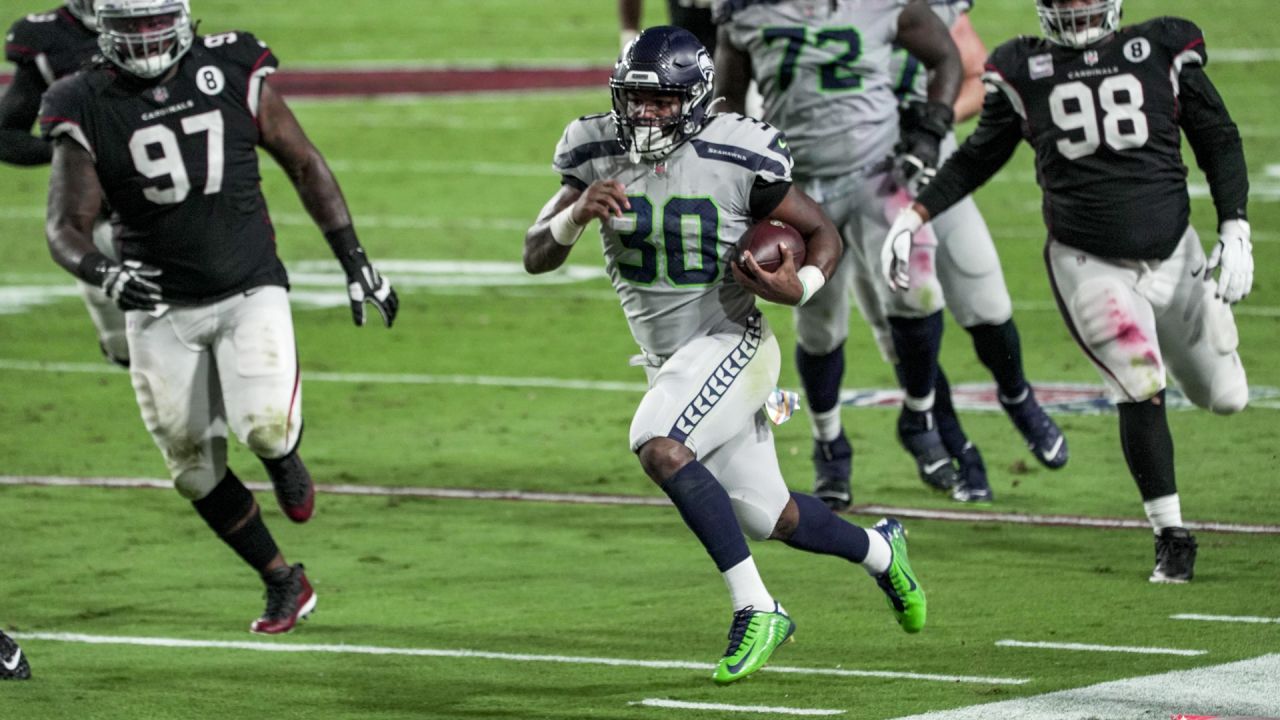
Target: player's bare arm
(75,199)
(973,55)
(562,220)
(18,110)
(822,251)
(629,14)
(925,36)
(284,138)
(733,73)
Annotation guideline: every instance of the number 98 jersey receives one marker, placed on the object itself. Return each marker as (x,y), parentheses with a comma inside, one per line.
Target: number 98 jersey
(1104,124)
(178,163)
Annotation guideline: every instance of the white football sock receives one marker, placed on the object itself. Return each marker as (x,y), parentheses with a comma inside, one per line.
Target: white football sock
(826,424)
(879,554)
(746,587)
(1164,512)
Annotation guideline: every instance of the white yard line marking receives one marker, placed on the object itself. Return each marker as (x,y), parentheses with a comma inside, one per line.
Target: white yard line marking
(482,655)
(1243,688)
(1246,55)
(1225,618)
(682,705)
(1082,647)
(636,500)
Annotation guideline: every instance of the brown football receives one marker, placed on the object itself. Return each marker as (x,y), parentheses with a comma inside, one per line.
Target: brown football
(765,238)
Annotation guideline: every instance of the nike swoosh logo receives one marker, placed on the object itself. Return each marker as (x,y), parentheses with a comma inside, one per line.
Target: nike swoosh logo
(1052,452)
(12,663)
(934,467)
(734,668)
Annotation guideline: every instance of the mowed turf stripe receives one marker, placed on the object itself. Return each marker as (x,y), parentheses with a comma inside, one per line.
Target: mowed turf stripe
(259,646)
(1225,618)
(641,500)
(1242,688)
(1084,647)
(721,707)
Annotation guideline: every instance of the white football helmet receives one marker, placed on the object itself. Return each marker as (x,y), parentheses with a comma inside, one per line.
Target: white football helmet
(144,37)
(83,10)
(1078,25)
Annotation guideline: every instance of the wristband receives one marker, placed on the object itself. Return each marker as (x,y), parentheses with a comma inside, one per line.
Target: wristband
(346,247)
(812,279)
(93,268)
(563,229)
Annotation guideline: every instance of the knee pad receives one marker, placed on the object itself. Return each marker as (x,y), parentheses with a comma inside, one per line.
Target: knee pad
(269,437)
(196,483)
(194,472)
(756,515)
(821,328)
(1231,400)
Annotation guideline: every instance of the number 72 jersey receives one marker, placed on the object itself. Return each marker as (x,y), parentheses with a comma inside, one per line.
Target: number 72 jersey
(178,163)
(1104,125)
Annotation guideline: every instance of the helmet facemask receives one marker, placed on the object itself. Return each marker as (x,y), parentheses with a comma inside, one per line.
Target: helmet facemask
(83,11)
(1078,25)
(144,37)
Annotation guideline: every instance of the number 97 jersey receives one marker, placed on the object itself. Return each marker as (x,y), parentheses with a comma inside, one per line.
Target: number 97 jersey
(1104,124)
(178,163)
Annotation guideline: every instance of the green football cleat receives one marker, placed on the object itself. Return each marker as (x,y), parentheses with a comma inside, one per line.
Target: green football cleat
(753,637)
(899,583)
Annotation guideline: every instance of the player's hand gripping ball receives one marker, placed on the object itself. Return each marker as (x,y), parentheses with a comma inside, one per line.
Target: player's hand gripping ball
(764,240)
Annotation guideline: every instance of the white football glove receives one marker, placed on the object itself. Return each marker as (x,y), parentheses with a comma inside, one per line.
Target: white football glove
(895,253)
(1233,259)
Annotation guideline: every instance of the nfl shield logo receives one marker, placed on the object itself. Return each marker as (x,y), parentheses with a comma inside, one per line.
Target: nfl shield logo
(161,94)
(660,168)
(1090,57)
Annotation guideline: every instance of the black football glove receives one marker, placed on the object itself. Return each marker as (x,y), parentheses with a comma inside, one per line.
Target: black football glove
(131,284)
(922,126)
(366,285)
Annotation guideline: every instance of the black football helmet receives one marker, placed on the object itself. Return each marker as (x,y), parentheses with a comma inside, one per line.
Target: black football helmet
(670,61)
(1078,26)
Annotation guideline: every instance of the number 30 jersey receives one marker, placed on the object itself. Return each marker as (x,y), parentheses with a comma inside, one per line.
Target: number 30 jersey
(178,163)
(1104,125)
(668,256)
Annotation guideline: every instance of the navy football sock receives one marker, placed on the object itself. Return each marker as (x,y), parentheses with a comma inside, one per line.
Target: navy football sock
(944,415)
(999,348)
(705,507)
(820,375)
(821,531)
(917,340)
(1148,446)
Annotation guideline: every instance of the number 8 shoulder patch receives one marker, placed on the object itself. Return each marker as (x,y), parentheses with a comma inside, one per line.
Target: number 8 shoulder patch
(1137,50)
(210,80)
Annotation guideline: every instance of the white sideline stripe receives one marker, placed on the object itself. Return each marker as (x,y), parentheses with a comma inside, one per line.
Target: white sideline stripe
(1100,648)
(635,500)
(1242,688)
(482,655)
(1225,618)
(1245,55)
(682,705)
(372,378)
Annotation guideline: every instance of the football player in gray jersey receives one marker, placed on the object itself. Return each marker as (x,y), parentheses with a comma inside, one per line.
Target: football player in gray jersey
(969,271)
(823,68)
(673,188)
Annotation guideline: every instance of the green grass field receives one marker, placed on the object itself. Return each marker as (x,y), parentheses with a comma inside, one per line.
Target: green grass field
(489,609)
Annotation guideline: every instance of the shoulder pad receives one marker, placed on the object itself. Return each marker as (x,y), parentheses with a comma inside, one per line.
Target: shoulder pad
(585,139)
(33,34)
(62,108)
(745,141)
(1177,35)
(239,48)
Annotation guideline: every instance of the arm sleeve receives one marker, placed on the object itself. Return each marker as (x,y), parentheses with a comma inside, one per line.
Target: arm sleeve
(979,158)
(766,196)
(1215,141)
(19,109)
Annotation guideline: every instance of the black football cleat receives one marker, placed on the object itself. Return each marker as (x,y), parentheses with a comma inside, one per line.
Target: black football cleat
(289,599)
(1175,556)
(13,664)
(919,435)
(832,465)
(973,487)
(1043,436)
(295,491)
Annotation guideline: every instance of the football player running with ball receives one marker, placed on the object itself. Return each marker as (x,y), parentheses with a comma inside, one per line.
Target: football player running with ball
(44,47)
(673,188)
(166,129)
(1103,107)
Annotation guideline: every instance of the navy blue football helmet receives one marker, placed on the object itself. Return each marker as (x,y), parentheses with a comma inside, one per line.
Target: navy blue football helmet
(668,61)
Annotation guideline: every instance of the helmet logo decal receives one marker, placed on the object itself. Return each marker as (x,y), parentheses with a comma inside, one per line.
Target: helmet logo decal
(1137,50)
(210,80)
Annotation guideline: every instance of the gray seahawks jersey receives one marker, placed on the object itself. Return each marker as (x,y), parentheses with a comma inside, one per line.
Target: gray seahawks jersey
(910,77)
(824,75)
(668,255)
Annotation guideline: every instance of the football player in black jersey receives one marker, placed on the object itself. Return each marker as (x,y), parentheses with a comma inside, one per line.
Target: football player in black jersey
(692,15)
(44,47)
(166,129)
(1104,108)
